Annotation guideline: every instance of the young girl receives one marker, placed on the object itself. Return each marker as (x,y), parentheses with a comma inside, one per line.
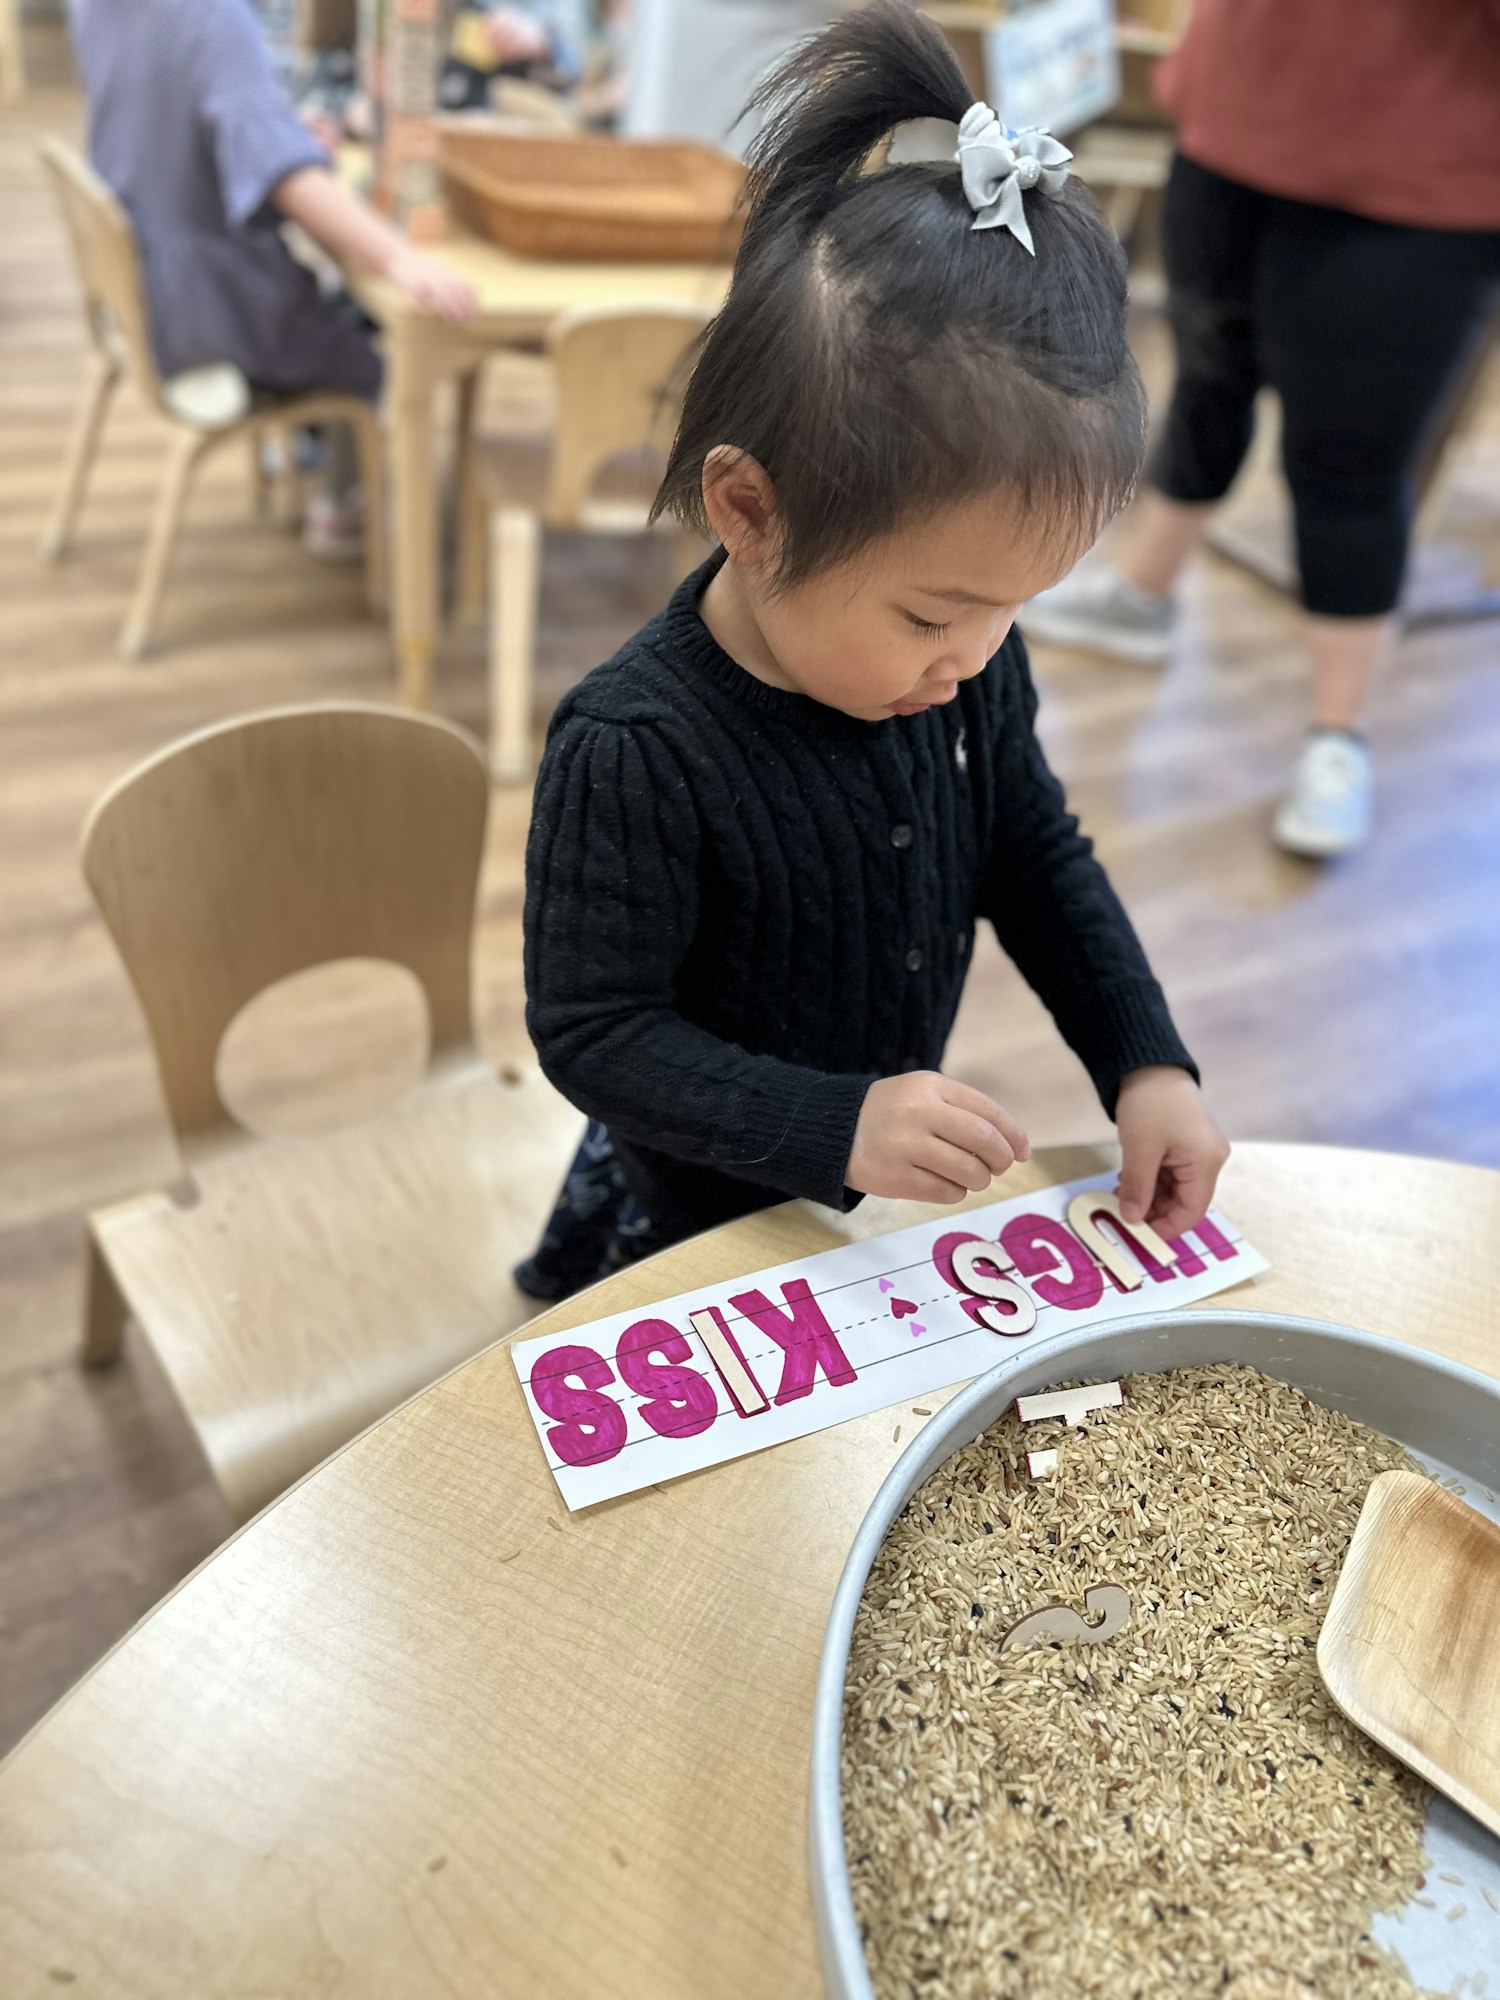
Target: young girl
(764,832)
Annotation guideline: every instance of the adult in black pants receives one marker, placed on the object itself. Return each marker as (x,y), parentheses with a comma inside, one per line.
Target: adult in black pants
(1331,230)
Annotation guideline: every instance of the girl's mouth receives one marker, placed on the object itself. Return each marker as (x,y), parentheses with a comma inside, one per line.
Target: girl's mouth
(921,707)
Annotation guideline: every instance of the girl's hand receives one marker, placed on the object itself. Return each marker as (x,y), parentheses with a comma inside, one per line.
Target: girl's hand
(1173,1149)
(923,1137)
(427,283)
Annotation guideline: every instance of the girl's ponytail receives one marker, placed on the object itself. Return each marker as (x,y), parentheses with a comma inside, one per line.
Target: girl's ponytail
(833,100)
(880,357)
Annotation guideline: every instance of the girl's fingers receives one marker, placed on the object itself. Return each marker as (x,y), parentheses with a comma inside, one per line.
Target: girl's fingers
(1138,1176)
(964,1097)
(924,1186)
(1181,1201)
(972,1134)
(1177,1218)
(953,1163)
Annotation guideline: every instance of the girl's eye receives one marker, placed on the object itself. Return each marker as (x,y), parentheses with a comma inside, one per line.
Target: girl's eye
(928,631)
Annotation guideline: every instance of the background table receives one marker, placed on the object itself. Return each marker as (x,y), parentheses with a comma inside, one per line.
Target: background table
(519,299)
(418,1732)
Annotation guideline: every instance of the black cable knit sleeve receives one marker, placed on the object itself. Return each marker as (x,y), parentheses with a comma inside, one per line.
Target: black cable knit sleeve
(1057,915)
(611,910)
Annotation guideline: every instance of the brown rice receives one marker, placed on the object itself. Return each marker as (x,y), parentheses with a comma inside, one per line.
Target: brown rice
(1159,1815)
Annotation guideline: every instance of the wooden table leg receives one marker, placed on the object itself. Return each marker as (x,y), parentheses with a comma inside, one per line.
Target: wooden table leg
(414,511)
(469,509)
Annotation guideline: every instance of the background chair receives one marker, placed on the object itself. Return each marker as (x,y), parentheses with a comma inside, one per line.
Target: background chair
(297,1287)
(518,102)
(206,408)
(12,55)
(619,375)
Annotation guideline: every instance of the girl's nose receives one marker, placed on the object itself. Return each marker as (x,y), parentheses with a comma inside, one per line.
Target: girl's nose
(978,656)
(994,638)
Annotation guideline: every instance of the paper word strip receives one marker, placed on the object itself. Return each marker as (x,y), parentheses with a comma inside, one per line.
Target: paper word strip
(638,1398)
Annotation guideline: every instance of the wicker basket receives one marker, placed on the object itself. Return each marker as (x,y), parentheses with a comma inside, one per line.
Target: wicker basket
(575,196)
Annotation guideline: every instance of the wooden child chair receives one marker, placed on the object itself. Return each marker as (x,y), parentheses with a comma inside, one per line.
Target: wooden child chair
(516,102)
(619,378)
(12,55)
(206,408)
(295,1287)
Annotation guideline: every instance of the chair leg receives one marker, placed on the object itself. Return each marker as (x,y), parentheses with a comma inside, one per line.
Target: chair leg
(290,496)
(187,448)
(474,533)
(82,450)
(260,479)
(472,525)
(104,1309)
(366,429)
(515,548)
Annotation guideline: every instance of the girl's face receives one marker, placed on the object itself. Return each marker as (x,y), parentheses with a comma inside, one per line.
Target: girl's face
(892,631)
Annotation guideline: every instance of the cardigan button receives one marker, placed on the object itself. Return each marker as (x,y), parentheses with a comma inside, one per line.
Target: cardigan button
(901,836)
(914,960)
(962,941)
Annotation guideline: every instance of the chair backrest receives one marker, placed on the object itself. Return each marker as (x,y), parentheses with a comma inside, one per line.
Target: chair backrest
(620,375)
(262,846)
(108,264)
(12,56)
(521,103)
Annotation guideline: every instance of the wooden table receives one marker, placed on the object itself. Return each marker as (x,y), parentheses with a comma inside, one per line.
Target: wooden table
(519,299)
(417,1732)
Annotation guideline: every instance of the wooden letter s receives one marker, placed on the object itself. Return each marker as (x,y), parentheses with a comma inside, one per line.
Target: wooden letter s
(968,1258)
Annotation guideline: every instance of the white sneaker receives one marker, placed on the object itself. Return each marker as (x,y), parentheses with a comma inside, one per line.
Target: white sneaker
(1331,804)
(334,530)
(1096,609)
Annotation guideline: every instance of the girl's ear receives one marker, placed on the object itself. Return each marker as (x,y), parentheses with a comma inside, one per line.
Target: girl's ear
(740,502)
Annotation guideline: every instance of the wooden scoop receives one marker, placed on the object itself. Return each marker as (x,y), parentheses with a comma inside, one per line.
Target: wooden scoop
(1410,1649)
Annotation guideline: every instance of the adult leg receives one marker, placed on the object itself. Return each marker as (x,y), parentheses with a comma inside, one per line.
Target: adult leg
(1366,327)
(1345,655)
(1211,236)
(1156,538)
(336,521)
(1211,232)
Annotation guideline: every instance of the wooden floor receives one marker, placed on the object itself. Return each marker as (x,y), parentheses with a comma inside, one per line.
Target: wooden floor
(1354,1004)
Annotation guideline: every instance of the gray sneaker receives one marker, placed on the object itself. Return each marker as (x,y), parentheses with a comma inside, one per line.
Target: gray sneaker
(1331,804)
(1097,610)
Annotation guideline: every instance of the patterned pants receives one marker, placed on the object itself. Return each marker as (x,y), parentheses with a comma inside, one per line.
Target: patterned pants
(597,1228)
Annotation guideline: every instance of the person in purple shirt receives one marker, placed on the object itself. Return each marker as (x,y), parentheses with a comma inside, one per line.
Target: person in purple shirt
(190,127)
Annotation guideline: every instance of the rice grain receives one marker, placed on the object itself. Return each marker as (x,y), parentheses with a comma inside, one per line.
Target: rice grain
(1165,1813)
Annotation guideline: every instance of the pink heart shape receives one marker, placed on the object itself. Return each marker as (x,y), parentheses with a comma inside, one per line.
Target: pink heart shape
(901,1307)
(887,1285)
(917,1327)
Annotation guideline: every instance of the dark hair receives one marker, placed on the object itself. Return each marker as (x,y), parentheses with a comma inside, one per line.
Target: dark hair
(877,355)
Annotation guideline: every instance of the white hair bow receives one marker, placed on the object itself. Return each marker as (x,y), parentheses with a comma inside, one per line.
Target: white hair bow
(998,165)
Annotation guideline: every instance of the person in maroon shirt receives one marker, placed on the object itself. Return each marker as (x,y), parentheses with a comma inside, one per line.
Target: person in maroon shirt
(1331,230)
